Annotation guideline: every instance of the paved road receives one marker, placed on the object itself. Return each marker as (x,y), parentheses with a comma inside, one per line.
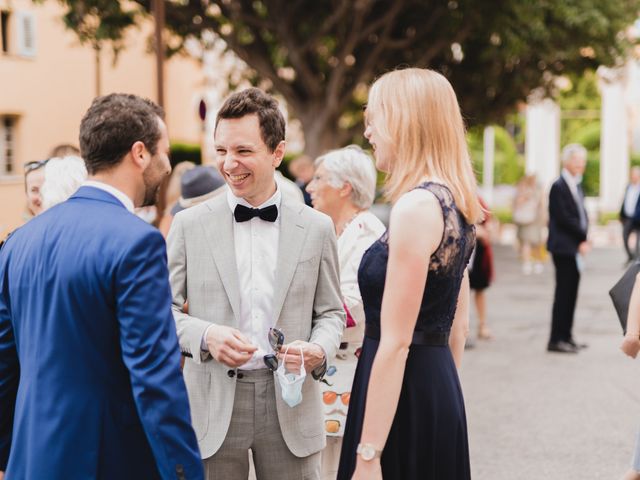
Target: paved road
(533,415)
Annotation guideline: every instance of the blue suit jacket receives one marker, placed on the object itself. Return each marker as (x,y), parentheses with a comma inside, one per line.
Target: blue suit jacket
(90,382)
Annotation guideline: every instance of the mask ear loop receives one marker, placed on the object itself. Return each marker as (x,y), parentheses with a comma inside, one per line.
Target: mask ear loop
(284,358)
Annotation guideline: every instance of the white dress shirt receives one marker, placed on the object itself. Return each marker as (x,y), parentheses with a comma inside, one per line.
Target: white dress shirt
(256,250)
(631,200)
(573,182)
(121,196)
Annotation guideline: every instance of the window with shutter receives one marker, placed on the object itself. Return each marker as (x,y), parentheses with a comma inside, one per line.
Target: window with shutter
(7,144)
(4,30)
(26,31)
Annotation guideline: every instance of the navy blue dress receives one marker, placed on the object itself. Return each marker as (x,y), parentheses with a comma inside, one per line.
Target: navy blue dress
(428,437)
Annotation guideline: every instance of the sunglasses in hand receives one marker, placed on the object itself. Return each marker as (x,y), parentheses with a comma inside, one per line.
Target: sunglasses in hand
(276,340)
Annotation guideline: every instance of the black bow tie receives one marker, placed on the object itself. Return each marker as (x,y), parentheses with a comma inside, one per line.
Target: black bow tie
(242,213)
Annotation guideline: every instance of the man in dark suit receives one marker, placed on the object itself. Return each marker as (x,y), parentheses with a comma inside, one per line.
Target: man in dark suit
(90,381)
(567,243)
(630,214)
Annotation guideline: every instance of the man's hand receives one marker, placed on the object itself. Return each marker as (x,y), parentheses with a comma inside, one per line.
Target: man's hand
(313,356)
(228,346)
(631,345)
(584,248)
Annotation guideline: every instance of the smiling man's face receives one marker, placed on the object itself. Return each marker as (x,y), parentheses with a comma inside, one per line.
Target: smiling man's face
(244,160)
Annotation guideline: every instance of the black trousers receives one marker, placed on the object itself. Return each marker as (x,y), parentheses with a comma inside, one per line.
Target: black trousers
(627,228)
(564,299)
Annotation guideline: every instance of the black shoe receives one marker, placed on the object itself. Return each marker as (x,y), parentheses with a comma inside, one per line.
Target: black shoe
(579,346)
(561,347)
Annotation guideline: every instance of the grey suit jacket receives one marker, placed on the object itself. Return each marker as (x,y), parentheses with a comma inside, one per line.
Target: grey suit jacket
(307,306)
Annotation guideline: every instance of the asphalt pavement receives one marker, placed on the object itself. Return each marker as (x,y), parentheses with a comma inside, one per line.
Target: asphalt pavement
(536,415)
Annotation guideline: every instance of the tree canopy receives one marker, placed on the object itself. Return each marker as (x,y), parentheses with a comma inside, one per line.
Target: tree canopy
(321,55)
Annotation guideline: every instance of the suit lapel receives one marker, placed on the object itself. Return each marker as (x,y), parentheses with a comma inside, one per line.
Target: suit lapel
(292,234)
(569,194)
(218,230)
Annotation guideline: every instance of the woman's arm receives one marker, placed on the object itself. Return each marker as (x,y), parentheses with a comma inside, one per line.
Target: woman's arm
(631,342)
(460,327)
(415,233)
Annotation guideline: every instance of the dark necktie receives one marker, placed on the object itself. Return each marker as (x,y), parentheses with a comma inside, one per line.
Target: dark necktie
(243,214)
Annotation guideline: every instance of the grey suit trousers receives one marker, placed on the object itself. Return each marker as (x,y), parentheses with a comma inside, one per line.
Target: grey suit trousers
(254,425)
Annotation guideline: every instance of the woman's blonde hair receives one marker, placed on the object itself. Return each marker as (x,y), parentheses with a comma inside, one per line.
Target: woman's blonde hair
(418,113)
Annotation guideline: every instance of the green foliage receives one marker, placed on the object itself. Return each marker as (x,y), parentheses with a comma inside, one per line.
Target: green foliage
(185,151)
(588,136)
(502,215)
(97,22)
(580,105)
(606,217)
(321,55)
(591,178)
(508,163)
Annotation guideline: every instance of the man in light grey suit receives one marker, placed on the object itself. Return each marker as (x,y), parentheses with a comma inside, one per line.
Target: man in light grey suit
(248,261)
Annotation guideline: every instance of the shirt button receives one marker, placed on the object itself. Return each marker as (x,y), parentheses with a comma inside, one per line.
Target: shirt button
(231,373)
(240,376)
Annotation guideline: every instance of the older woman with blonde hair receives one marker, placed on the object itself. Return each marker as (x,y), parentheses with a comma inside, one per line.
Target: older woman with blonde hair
(406,415)
(343,186)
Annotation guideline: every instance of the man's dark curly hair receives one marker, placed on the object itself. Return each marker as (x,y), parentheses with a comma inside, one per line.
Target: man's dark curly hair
(113,124)
(255,101)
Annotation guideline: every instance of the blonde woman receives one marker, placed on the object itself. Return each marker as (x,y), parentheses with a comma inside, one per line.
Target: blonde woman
(406,415)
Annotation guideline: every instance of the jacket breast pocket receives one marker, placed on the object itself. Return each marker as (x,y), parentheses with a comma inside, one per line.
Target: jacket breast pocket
(304,280)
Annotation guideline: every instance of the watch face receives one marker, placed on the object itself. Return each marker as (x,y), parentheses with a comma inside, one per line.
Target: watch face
(368,452)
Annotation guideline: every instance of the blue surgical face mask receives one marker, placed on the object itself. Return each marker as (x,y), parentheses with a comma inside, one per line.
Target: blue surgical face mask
(290,383)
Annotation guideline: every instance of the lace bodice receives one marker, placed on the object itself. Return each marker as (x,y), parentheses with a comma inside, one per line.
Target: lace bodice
(446,269)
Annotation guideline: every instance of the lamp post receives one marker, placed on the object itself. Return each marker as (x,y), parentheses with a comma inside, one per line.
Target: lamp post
(157,7)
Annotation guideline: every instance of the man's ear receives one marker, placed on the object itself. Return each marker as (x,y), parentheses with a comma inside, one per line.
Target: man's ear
(278,153)
(139,155)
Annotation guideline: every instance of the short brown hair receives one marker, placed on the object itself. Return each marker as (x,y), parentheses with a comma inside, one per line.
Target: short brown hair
(113,124)
(255,101)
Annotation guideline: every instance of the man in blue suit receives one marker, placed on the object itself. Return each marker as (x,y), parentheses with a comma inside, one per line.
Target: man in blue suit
(90,381)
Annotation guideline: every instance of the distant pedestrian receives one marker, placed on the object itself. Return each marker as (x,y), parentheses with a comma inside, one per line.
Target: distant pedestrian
(481,272)
(567,242)
(197,184)
(630,215)
(302,170)
(529,216)
(33,180)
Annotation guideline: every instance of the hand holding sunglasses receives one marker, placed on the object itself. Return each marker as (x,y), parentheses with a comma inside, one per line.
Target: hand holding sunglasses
(229,346)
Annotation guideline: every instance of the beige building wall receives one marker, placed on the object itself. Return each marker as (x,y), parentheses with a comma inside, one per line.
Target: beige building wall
(50,91)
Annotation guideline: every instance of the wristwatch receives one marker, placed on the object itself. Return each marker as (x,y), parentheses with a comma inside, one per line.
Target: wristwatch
(368,452)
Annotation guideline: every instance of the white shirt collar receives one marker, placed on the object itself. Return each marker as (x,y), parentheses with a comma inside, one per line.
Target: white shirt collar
(232,200)
(121,196)
(571,180)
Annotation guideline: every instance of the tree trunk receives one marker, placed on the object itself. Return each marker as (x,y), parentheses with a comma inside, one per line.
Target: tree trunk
(321,130)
